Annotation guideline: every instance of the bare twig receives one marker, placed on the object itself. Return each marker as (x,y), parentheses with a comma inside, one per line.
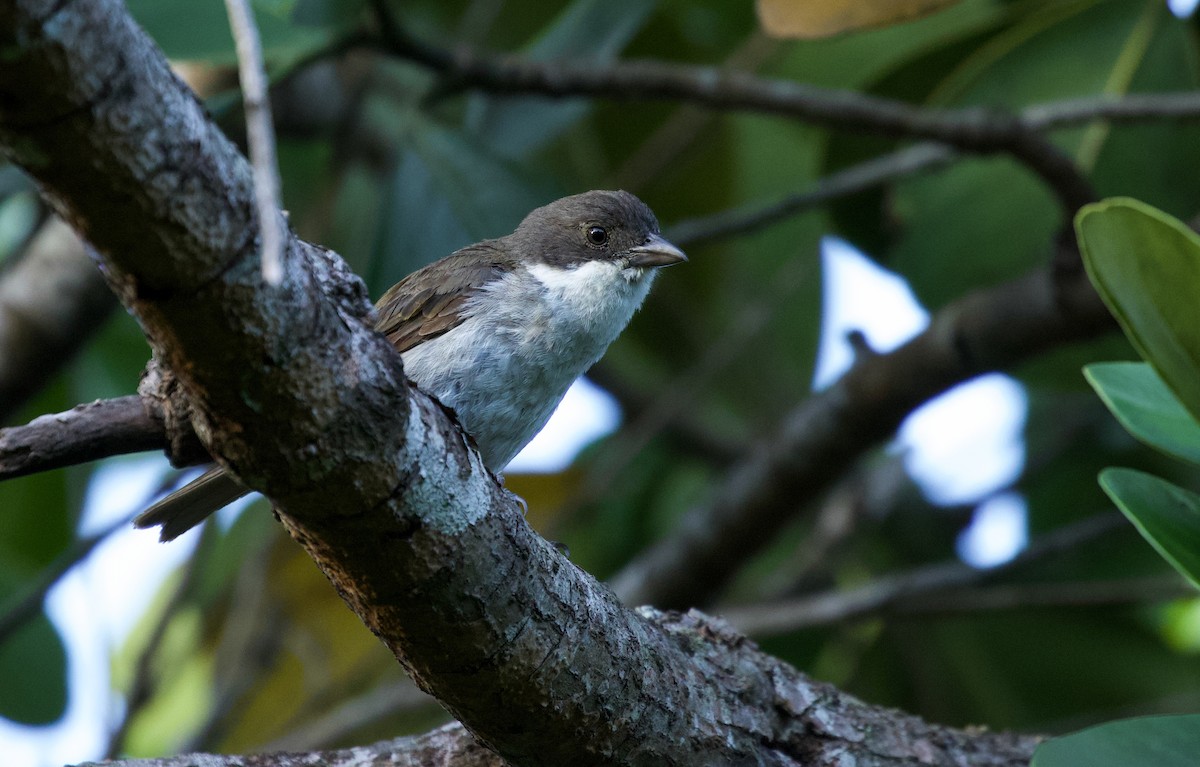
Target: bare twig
(857,178)
(970,129)
(1133,107)
(260,136)
(84,433)
(1016,596)
(880,595)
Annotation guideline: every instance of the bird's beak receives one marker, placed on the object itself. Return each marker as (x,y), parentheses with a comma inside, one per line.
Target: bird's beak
(655,252)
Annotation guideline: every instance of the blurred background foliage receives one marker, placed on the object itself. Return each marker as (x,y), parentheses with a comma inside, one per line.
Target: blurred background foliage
(247,648)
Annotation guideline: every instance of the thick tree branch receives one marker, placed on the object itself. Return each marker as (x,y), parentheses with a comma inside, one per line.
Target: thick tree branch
(820,724)
(448,745)
(301,400)
(983,331)
(84,433)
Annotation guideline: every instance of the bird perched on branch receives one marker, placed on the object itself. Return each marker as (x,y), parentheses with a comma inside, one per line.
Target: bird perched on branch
(499,330)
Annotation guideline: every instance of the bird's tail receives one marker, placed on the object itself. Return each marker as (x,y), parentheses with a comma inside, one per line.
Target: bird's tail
(191,504)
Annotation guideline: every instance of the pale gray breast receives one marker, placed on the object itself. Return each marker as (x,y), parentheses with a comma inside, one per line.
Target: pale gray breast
(504,369)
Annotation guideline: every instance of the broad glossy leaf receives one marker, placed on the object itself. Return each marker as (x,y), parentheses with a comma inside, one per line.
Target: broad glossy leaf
(990,219)
(1161,741)
(808,20)
(199,31)
(1146,407)
(1168,516)
(1146,266)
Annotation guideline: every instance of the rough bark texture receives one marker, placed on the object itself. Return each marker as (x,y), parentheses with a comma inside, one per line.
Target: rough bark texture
(802,722)
(291,389)
(83,433)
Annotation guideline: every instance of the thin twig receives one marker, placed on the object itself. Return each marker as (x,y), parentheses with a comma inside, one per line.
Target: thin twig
(1015,596)
(968,129)
(84,433)
(1133,107)
(259,135)
(879,595)
(852,180)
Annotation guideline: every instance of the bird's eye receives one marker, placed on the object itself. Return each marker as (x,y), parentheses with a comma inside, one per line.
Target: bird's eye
(597,235)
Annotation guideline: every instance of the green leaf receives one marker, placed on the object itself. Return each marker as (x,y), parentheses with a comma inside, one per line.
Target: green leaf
(1146,407)
(944,252)
(1166,515)
(449,190)
(1161,741)
(1164,177)
(194,31)
(315,13)
(986,220)
(280,8)
(33,665)
(588,30)
(1146,266)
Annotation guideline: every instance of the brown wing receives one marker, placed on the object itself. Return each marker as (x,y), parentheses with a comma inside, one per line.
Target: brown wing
(429,301)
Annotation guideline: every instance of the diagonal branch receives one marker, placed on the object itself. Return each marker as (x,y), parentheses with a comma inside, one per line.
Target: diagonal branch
(871,173)
(888,591)
(1134,107)
(981,332)
(296,394)
(970,130)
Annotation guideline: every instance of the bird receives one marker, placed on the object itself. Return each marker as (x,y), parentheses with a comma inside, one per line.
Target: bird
(499,330)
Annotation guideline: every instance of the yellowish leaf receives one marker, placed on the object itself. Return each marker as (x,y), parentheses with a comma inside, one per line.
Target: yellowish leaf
(812,19)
